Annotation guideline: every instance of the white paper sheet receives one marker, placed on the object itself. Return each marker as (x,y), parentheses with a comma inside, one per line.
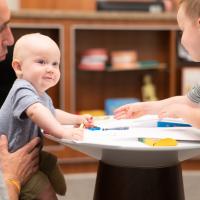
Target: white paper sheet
(144,127)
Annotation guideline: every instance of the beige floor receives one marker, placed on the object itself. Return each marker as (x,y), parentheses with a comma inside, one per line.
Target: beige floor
(81,186)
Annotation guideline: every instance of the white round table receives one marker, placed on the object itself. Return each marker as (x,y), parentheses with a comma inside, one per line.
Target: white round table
(131,170)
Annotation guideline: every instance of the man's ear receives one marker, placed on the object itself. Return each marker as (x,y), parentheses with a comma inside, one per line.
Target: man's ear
(198,22)
(16,65)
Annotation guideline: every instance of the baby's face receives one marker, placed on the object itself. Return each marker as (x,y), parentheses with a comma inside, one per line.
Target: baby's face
(190,33)
(40,66)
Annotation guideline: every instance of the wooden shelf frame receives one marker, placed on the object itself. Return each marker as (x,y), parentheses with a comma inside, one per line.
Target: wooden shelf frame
(143,34)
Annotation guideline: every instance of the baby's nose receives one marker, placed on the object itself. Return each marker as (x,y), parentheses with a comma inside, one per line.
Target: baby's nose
(49,69)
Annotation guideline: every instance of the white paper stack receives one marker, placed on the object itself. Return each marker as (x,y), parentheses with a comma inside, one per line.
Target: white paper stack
(143,127)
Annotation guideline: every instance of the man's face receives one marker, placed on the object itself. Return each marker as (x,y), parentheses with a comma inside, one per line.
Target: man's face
(6,37)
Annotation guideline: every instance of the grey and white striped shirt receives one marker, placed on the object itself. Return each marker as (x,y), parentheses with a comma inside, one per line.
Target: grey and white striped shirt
(194,94)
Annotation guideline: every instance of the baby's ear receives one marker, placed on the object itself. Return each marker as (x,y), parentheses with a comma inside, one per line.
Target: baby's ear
(16,65)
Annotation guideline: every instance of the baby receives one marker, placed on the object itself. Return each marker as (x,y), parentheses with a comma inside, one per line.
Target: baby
(28,109)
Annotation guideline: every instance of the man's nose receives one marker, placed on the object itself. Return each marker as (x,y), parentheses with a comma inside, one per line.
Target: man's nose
(8,38)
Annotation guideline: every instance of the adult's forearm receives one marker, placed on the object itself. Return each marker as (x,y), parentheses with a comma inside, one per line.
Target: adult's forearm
(3,188)
(8,189)
(193,118)
(12,191)
(153,107)
(19,166)
(175,99)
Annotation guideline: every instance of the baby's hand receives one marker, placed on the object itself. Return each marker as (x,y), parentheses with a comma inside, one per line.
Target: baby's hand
(74,134)
(87,120)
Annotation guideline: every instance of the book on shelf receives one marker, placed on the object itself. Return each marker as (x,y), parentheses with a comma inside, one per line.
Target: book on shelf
(111,104)
(93,59)
(124,59)
(131,5)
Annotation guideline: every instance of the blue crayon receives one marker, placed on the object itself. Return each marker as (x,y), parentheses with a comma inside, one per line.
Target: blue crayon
(94,128)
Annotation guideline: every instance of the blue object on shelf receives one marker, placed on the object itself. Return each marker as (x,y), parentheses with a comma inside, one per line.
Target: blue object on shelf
(113,103)
(172,124)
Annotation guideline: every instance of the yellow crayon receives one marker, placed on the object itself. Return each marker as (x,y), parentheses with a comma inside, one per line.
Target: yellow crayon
(166,142)
(82,125)
(159,142)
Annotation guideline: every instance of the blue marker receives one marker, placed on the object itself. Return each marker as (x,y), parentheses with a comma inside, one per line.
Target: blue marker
(115,128)
(161,124)
(96,128)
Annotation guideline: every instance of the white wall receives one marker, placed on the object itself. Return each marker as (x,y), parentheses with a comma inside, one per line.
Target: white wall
(14,4)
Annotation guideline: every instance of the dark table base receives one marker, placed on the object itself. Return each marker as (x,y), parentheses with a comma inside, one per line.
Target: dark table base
(127,183)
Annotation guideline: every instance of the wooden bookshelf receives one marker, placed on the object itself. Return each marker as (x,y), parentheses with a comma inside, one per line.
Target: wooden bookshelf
(88,5)
(120,83)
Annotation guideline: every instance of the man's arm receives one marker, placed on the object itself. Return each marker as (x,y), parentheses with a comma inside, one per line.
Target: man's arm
(19,166)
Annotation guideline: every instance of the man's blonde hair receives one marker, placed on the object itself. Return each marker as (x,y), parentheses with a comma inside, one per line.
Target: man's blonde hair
(192,7)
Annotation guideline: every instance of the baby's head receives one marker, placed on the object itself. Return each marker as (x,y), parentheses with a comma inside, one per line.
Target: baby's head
(188,18)
(36,58)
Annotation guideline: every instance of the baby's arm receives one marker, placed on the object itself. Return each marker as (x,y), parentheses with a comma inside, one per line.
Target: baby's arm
(73,119)
(68,118)
(42,116)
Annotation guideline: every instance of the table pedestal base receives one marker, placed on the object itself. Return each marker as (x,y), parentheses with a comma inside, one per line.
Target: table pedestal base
(127,183)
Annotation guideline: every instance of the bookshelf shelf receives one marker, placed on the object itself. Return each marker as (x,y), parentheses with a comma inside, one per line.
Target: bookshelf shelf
(110,70)
(150,44)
